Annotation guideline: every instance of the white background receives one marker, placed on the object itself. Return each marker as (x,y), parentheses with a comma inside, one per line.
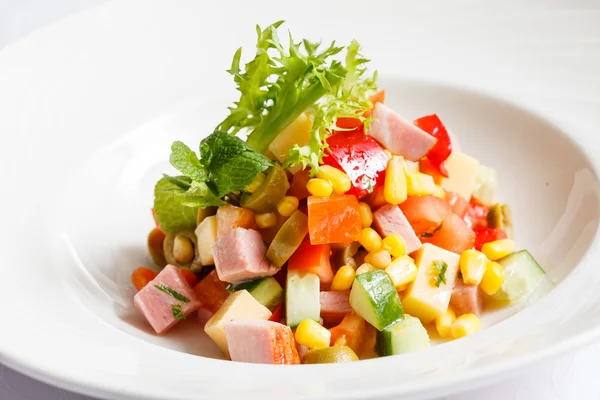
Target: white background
(572,377)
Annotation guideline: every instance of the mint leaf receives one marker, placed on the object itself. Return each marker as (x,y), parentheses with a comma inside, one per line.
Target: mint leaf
(186,162)
(174,294)
(171,215)
(440,267)
(231,163)
(183,182)
(199,196)
(177,312)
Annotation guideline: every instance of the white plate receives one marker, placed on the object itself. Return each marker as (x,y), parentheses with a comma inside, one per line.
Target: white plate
(90,106)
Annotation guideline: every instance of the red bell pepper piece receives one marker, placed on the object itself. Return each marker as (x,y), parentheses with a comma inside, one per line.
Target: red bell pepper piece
(442,149)
(314,259)
(277,315)
(486,235)
(360,157)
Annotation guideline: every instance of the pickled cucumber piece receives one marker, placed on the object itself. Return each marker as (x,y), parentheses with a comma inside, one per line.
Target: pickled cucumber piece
(269,194)
(330,355)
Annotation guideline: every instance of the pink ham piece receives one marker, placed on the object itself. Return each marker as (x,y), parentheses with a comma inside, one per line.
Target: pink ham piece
(398,135)
(261,342)
(160,307)
(390,219)
(466,299)
(240,256)
(335,305)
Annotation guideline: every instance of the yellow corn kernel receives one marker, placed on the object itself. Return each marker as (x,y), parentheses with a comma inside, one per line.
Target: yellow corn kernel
(498,249)
(366,215)
(472,266)
(343,278)
(339,180)
(464,325)
(389,153)
(312,335)
(364,268)
(439,192)
(288,205)
(395,244)
(394,189)
(492,278)
(401,271)
(266,220)
(443,323)
(419,184)
(319,187)
(379,258)
(370,239)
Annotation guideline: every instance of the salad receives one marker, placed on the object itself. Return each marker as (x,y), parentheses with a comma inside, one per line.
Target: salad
(336,231)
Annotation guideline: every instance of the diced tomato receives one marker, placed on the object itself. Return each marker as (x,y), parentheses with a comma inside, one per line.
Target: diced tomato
(313,258)
(189,276)
(350,332)
(458,204)
(486,235)
(453,235)
(298,187)
(142,276)
(426,167)
(476,216)
(281,276)
(349,123)
(360,157)
(211,293)
(425,214)
(277,315)
(442,149)
(333,219)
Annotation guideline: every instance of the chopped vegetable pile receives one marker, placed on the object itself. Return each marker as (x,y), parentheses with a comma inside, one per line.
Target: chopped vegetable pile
(337,231)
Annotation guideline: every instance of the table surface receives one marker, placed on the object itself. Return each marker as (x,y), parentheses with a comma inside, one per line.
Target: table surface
(571,377)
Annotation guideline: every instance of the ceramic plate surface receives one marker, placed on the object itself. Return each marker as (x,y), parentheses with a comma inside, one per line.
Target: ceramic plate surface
(90,105)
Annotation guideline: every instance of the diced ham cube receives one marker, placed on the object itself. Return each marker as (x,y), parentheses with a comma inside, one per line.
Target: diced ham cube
(161,307)
(390,219)
(466,299)
(240,256)
(262,342)
(211,293)
(399,136)
(230,217)
(335,305)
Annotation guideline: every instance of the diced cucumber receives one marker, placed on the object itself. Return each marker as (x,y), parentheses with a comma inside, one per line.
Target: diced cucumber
(302,297)
(374,297)
(267,291)
(522,275)
(403,337)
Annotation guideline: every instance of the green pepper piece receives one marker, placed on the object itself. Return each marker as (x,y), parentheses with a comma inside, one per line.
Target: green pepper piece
(266,198)
(494,217)
(288,239)
(329,355)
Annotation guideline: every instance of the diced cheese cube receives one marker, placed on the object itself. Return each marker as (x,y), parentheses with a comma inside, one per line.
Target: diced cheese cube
(240,304)
(462,172)
(423,299)
(298,132)
(206,233)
